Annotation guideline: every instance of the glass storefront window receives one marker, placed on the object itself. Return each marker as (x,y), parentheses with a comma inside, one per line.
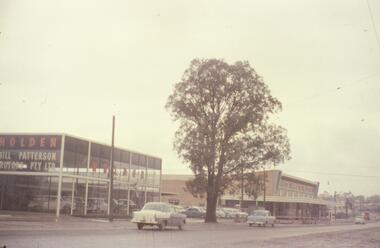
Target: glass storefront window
(28,193)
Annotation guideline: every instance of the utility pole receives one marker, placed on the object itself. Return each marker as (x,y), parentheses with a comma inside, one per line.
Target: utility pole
(111,171)
(264,189)
(242,188)
(335,205)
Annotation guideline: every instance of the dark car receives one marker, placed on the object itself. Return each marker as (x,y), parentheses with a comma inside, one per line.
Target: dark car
(194,212)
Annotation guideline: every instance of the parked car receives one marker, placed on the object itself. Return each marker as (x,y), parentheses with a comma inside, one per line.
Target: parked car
(261,218)
(203,210)
(234,213)
(121,206)
(220,213)
(341,215)
(44,203)
(359,220)
(194,212)
(158,214)
(178,209)
(97,205)
(366,216)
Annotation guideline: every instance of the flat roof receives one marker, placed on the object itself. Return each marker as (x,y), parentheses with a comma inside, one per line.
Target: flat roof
(299,179)
(76,137)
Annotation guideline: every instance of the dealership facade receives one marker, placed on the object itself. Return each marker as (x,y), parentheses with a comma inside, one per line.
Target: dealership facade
(64,174)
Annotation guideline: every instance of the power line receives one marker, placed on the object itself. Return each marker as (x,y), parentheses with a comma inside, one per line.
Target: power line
(335,174)
(337,88)
(373,23)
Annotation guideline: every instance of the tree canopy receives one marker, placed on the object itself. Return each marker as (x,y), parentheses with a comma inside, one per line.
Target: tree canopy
(224,112)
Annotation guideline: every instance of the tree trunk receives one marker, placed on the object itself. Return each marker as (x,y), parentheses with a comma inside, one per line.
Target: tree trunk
(211,208)
(212,198)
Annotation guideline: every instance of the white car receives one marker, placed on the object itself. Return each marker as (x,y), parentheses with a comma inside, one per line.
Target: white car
(97,205)
(220,213)
(261,218)
(158,214)
(234,213)
(359,220)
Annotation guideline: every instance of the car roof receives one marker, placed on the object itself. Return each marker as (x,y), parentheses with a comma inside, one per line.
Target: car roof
(162,203)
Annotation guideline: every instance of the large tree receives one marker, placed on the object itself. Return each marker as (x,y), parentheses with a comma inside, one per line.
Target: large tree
(223,112)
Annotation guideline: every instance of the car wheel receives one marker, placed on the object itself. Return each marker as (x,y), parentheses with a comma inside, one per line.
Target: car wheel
(140,226)
(250,224)
(162,226)
(66,209)
(180,227)
(272,224)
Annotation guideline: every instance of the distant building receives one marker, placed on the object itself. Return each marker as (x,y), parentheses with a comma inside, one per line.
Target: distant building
(64,174)
(286,196)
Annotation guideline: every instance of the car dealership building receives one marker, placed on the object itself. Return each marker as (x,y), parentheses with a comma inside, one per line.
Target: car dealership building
(64,174)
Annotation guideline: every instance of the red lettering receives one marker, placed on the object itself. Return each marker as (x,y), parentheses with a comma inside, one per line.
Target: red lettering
(93,165)
(22,144)
(12,142)
(42,142)
(53,142)
(32,141)
(2,141)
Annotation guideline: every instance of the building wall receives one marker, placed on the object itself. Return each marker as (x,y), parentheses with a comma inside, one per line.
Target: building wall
(280,184)
(296,188)
(175,192)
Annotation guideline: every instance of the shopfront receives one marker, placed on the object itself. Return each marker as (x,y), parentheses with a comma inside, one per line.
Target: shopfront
(67,175)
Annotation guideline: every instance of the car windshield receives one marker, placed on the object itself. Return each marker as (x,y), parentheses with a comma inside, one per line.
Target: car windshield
(259,213)
(157,207)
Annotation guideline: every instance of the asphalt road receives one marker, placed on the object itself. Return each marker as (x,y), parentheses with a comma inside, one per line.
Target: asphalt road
(93,233)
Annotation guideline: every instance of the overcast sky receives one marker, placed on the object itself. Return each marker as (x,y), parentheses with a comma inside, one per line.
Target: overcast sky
(68,66)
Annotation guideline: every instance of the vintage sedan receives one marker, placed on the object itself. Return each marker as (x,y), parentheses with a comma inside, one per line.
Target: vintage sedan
(234,213)
(261,218)
(194,212)
(359,220)
(158,214)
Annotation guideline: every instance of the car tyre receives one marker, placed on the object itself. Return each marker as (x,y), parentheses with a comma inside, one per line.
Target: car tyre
(250,224)
(66,209)
(180,227)
(140,226)
(162,226)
